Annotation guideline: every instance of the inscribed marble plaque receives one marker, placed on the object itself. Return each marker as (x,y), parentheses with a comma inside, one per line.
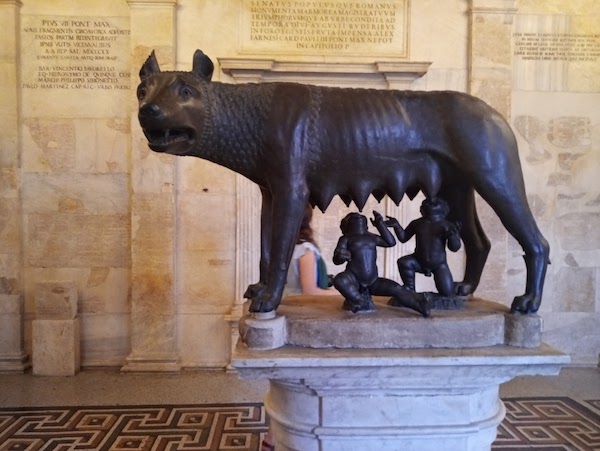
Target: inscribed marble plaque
(319,27)
(557,53)
(72,57)
(77,240)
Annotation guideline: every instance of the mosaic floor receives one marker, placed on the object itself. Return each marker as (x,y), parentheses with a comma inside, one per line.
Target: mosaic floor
(548,424)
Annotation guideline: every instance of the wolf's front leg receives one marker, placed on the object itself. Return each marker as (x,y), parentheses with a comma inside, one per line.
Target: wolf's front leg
(255,289)
(286,217)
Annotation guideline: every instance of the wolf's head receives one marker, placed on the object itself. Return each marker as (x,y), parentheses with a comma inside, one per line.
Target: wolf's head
(171,105)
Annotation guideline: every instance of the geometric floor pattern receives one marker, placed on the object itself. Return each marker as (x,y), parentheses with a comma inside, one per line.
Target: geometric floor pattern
(548,424)
(237,427)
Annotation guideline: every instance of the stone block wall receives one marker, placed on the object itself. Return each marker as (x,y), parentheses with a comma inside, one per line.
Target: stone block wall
(155,244)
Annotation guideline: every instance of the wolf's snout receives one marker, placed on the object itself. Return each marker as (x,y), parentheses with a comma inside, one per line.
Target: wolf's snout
(151,110)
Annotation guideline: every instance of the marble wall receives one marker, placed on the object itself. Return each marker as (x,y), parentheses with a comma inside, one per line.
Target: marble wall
(161,248)
(555,93)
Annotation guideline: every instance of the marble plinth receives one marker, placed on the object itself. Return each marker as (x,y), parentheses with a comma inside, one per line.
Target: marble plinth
(55,347)
(315,322)
(410,398)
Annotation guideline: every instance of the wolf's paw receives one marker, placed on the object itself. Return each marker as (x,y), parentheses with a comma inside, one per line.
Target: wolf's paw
(264,303)
(254,290)
(528,303)
(463,288)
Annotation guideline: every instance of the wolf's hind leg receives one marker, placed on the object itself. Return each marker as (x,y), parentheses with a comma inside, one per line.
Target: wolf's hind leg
(461,200)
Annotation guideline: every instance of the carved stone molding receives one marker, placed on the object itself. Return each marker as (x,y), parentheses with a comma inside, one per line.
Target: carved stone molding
(382,74)
(151,3)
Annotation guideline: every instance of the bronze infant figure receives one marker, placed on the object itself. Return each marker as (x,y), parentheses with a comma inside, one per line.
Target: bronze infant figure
(303,143)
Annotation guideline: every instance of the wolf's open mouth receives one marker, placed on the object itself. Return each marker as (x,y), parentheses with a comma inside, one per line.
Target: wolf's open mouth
(168,136)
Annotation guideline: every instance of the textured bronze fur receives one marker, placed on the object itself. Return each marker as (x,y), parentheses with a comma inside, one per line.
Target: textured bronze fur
(303,143)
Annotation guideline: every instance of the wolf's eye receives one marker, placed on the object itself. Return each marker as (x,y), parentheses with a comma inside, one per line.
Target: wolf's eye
(186,92)
(141,92)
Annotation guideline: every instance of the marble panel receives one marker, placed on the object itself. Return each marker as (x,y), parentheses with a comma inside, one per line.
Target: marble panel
(92,194)
(11,330)
(439,33)
(10,270)
(417,412)
(153,335)
(9,156)
(105,339)
(55,300)
(48,144)
(153,171)
(101,290)
(10,231)
(9,182)
(557,52)
(80,145)
(203,340)
(491,47)
(493,86)
(56,347)
(102,144)
(152,229)
(575,290)
(572,7)
(494,275)
(105,290)
(575,333)
(77,240)
(207,279)
(584,258)
(9,25)
(361,28)
(442,79)
(54,103)
(161,19)
(206,222)
(224,13)
(73,56)
(8,74)
(303,398)
(152,293)
(97,7)
(579,231)
(201,176)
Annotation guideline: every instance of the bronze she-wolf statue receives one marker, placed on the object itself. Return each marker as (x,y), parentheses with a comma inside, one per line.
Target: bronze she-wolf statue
(302,143)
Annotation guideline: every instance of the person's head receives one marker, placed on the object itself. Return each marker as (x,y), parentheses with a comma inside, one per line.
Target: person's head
(306,231)
(434,207)
(354,223)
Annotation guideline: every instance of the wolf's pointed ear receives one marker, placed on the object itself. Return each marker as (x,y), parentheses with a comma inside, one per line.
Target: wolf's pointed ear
(203,66)
(150,67)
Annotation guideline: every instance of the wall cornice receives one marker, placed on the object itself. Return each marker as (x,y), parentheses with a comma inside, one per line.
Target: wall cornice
(388,74)
(493,7)
(151,3)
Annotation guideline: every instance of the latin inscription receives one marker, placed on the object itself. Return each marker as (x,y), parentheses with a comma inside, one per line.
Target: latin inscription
(571,47)
(325,27)
(68,52)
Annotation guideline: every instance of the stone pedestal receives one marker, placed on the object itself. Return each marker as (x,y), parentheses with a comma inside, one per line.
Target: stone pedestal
(55,331)
(338,395)
(55,347)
